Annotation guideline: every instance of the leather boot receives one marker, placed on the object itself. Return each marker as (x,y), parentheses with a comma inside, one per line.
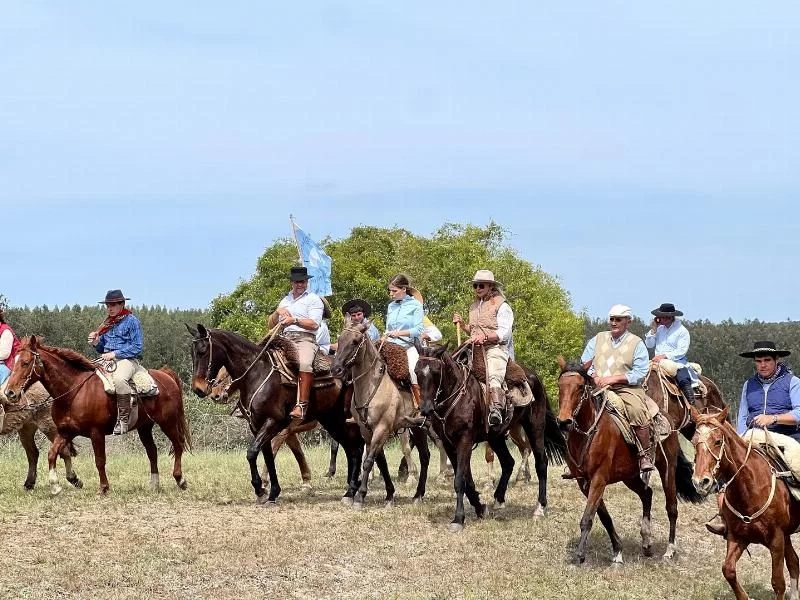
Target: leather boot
(717,526)
(123,413)
(688,391)
(304,384)
(643,435)
(348,399)
(497,407)
(415,419)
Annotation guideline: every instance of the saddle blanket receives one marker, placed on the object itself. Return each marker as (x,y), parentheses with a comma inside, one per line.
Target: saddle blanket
(784,447)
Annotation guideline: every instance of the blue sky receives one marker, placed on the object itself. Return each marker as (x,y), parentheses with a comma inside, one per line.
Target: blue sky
(640,153)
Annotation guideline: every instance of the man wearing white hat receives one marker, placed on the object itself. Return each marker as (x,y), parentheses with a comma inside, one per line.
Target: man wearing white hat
(490,323)
(619,362)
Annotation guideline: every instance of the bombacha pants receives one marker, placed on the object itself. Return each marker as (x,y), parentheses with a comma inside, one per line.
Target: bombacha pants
(122,375)
(496,363)
(635,405)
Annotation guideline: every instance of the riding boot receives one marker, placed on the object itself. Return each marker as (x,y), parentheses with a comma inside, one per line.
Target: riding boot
(643,435)
(688,391)
(306,380)
(415,419)
(123,413)
(348,399)
(717,526)
(497,407)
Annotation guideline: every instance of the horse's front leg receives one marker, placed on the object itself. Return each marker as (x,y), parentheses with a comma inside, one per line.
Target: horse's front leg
(98,438)
(145,432)
(500,448)
(776,550)
(421,442)
(405,448)
(332,465)
(353,456)
(383,467)
(28,440)
(375,441)
(460,458)
(735,549)
(645,493)
(55,447)
(264,436)
(594,496)
(793,565)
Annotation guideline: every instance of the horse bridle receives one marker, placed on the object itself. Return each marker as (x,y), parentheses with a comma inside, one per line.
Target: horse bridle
(455,396)
(211,381)
(586,394)
(37,361)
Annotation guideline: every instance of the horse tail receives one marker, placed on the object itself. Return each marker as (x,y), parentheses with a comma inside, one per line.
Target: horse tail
(683,479)
(555,446)
(183,426)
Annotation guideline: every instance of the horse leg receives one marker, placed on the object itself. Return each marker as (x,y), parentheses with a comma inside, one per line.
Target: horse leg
(793,565)
(48,428)
(354,456)
(146,437)
(488,454)
(666,469)
(27,439)
(176,430)
(99,446)
(535,434)
(460,458)
(735,549)
(445,466)
(305,472)
(522,442)
(332,466)
(264,436)
(594,495)
(405,447)
(58,442)
(776,550)
(645,493)
(376,441)
(420,437)
(383,467)
(498,444)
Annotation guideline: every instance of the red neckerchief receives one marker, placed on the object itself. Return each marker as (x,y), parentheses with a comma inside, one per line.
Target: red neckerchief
(111,321)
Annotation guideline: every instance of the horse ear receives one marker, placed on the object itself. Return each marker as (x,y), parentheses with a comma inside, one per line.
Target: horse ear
(561,362)
(201,331)
(362,327)
(33,342)
(439,351)
(417,345)
(695,413)
(722,415)
(192,330)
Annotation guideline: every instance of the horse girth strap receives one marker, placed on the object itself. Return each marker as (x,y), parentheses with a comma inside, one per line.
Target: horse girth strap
(750,518)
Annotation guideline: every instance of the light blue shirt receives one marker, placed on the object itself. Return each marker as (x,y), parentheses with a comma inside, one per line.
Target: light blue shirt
(372,332)
(307,306)
(794,396)
(672,341)
(641,358)
(406,314)
(324,337)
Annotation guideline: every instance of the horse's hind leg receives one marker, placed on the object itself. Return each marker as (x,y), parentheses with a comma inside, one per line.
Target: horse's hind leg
(666,468)
(332,466)
(535,434)
(521,441)
(58,443)
(793,565)
(27,439)
(645,493)
(305,472)
(383,467)
(405,447)
(498,444)
(145,432)
(420,437)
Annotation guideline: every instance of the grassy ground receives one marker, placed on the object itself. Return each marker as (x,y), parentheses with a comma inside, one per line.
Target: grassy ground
(213,542)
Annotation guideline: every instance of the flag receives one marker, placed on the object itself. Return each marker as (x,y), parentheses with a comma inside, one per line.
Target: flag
(316,261)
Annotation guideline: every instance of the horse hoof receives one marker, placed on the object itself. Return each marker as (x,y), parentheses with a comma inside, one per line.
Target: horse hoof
(411,481)
(538,512)
(306,489)
(28,486)
(347,501)
(183,483)
(358,505)
(263,498)
(647,550)
(498,505)
(456,527)
(617,562)
(480,511)
(76,483)
(389,503)
(670,553)
(417,500)
(56,490)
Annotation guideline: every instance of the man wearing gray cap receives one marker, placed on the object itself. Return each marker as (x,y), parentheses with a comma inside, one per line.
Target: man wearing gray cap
(619,362)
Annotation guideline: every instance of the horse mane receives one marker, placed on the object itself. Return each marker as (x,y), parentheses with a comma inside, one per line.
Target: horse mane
(72,357)
(576,366)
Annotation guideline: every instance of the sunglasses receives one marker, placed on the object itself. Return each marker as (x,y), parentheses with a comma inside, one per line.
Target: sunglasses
(476,286)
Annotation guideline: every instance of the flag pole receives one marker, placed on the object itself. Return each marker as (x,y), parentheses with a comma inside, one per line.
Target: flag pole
(296,243)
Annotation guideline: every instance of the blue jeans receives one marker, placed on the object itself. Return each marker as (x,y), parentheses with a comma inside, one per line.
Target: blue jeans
(4,373)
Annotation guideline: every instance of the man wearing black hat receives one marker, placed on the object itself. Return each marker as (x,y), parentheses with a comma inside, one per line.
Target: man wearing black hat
(300,312)
(671,339)
(120,339)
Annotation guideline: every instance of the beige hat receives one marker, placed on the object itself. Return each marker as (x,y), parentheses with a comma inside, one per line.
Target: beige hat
(620,310)
(485,276)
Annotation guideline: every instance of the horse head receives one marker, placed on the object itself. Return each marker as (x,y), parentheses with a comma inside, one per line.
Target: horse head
(574,388)
(348,345)
(431,373)
(207,360)
(28,368)
(710,439)
(220,391)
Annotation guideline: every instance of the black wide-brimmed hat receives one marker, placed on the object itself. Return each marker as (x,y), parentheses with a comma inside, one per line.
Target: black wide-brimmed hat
(763,348)
(666,310)
(114,296)
(299,274)
(357,305)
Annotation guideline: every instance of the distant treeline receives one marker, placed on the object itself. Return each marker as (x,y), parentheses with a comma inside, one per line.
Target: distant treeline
(715,346)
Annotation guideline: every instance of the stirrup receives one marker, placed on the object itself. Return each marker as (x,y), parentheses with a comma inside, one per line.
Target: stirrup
(120,428)
(299,411)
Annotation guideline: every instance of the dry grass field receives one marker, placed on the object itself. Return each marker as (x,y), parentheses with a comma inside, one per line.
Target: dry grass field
(213,542)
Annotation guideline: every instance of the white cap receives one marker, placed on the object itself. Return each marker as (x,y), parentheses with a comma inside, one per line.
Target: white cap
(620,310)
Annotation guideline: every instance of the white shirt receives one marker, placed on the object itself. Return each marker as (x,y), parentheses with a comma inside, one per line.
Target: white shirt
(6,343)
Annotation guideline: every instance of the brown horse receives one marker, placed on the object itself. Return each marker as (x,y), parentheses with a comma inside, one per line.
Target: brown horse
(517,435)
(81,406)
(674,404)
(757,509)
(598,456)
(453,399)
(26,420)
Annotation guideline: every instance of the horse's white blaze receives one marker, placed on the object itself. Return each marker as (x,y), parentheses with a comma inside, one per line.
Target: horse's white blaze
(703,432)
(426,370)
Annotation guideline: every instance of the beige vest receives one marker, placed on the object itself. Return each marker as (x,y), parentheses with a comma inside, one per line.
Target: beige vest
(483,315)
(614,361)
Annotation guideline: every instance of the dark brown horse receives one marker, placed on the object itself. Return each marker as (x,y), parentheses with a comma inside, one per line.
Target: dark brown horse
(28,418)
(757,508)
(674,405)
(598,456)
(453,399)
(267,403)
(81,406)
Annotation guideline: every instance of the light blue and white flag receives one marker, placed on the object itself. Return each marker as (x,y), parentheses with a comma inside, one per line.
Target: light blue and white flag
(316,261)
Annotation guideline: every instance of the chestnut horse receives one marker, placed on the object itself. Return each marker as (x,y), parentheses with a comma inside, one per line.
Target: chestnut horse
(81,406)
(757,508)
(267,404)
(453,399)
(598,456)
(26,420)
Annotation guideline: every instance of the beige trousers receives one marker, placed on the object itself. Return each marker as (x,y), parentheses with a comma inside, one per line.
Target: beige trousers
(496,363)
(413,357)
(791,448)
(635,405)
(307,350)
(122,375)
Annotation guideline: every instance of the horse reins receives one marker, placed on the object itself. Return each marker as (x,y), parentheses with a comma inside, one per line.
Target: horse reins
(455,396)
(362,410)
(38,360)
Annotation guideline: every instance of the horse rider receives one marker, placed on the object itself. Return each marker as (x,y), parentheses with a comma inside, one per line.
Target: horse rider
(430,332)
(300,312)
(619,362)
(355,312)
(404,325)
(670,338)
(490,325)
(769,410)
(119,338)
(9,343)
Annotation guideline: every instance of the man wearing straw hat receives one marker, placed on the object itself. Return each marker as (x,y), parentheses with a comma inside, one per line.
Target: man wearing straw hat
(300,312)
(490,323)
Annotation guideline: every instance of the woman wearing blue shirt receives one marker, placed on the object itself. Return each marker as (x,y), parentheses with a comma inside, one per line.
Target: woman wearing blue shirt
(404,323)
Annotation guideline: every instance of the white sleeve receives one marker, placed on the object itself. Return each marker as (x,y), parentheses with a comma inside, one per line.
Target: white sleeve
(505,321)
(6,343)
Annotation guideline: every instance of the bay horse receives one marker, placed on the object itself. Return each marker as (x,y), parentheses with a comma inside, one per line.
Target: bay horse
(378,405)
(266,403)
(82,407)
(26,420)
(757,508)
(598,456)
(453,399)
(675,405)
